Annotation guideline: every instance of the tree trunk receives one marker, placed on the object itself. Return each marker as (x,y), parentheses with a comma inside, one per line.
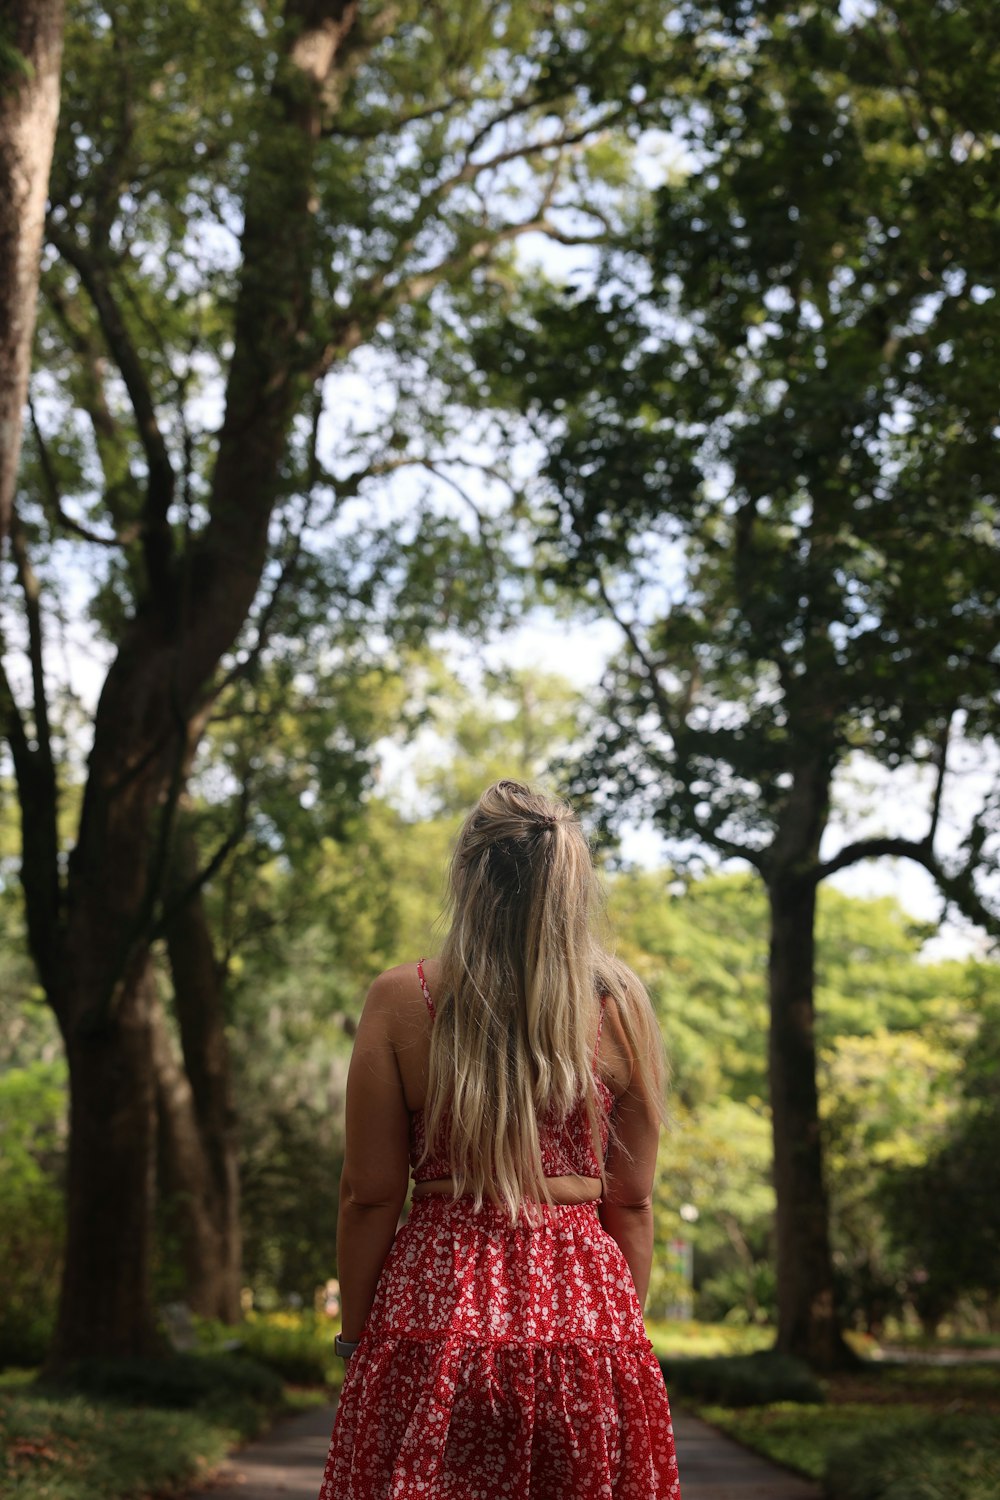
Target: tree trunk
(808,1326)
(187,1191)
(99,922)
(105,1303)
(206,1171)
(31,33)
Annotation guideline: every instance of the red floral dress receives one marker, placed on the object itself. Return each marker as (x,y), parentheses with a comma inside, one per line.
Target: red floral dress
(504,1361)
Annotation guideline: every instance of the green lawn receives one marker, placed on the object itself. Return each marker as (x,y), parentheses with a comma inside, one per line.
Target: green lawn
(134,1429)
(801,1436)
(885,1433)
(74,1448)
(701,1340)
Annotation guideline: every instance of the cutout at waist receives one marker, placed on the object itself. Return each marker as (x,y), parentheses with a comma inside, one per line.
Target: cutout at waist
(568,1189)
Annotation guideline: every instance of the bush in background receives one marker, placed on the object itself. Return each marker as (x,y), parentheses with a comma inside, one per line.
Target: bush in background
(743,1380)
(32,1153)
(298,1346)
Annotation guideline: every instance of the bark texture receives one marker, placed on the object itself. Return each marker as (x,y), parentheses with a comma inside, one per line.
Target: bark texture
(199,1148)
(31,33)
(151,710)
(105,1307)
(808,1325)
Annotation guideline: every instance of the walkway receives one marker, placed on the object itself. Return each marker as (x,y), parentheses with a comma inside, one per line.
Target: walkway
(288,1465)
(713,1467)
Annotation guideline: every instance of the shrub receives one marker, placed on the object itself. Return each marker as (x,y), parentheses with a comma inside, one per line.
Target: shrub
(180,1382)
(298,1346)
(951,1455)
(32,1149)
(743,1380)
(63,1447)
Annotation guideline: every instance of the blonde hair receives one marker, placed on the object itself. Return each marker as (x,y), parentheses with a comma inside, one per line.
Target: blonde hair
(521,976)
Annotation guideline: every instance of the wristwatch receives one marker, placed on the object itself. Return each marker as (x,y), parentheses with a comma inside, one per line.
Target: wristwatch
(344,1347)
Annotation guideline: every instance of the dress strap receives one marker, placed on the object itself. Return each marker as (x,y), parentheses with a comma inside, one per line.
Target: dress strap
(427,993)
(600,1027)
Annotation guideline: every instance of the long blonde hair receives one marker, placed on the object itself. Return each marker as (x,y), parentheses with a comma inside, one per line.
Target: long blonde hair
(521,976)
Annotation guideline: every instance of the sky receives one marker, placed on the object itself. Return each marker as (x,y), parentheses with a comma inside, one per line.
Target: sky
(579,651)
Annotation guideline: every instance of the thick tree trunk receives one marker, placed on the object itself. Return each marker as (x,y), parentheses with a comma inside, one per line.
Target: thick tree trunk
(105,1304)
(808,1326)
(187,1189)
(29,109)
(201,1142)
(151,708)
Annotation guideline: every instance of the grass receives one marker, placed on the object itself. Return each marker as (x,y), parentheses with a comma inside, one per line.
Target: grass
(956,1456)
(704,1340)
(886,1432)
(121,1430)
(72,1448)
(801,1436)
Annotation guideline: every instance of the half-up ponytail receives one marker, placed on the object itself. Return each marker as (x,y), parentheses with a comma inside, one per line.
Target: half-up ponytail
(520,981)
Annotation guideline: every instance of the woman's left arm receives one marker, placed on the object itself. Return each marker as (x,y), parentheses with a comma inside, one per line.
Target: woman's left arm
(376,1163)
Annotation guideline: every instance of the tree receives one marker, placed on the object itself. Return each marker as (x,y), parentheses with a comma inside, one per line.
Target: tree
(31,34)
(958,1185)
(241,201)
(766,462)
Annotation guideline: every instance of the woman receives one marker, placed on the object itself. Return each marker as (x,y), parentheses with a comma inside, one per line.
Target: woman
(495,1344)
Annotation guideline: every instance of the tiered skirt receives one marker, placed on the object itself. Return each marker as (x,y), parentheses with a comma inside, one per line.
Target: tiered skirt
(500,1361)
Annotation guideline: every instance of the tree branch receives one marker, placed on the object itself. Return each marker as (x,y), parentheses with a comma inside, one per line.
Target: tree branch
(38,797)
(13,724)
(942,771)
(956,887)
(31,592)
(662,700)
(201,879)
(384,292)
(397,122)
(55,496)
(156,535)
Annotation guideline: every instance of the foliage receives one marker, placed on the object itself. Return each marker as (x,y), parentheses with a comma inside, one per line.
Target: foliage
(32,1151)
(958,1183)
(178,1381)
(686,1338)
(740,407)
(58,1446)
(954,1455)
(757,1379)
(296,1346)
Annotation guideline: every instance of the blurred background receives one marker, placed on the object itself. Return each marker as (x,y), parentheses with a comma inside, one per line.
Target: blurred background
(604,395)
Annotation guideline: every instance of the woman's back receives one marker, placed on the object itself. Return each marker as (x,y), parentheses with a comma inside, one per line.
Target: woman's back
(567,1144)
(500,1345)
(414,1022)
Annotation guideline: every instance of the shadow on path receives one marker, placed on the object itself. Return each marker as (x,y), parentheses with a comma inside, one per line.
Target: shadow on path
(713,1467)
(288,1465)
(285,1465)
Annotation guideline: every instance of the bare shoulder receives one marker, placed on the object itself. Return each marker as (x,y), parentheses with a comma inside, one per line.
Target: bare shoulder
(615,1054)
(395,999)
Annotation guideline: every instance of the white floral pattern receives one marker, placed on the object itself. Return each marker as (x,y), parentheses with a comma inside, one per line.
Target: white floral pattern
(503,1360)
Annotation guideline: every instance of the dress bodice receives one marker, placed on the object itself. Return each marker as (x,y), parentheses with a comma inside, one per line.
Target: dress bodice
(567,1145)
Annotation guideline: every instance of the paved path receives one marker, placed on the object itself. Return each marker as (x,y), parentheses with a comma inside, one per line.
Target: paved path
(288,1465)
(712,1467)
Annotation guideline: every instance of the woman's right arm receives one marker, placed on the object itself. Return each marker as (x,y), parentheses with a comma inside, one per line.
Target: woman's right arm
(376,1165)
(626,1209)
